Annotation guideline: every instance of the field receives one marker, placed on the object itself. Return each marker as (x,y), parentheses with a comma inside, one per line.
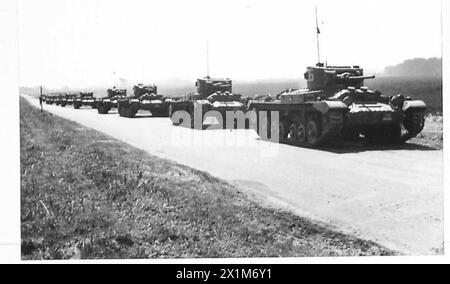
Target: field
(86,195)
(433,133)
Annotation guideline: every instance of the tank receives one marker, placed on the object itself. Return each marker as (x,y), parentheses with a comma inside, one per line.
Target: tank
(145,97)
(213,98)
(63,99)
(370,114)
(70,98)
(105,104)
(84,99)
(59,98)
(335,104)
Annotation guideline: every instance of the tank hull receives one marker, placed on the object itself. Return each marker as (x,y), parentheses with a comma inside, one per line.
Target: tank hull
(307,124)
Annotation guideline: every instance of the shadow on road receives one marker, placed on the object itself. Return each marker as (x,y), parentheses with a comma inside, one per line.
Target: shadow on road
(345,147)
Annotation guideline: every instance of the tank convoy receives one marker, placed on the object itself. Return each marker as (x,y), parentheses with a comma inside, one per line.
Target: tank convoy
(213,95)
(336,104)
(84,99)
(105,104)
(145,97)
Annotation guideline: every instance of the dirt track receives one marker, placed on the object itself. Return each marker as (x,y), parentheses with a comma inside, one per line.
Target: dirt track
(391,196)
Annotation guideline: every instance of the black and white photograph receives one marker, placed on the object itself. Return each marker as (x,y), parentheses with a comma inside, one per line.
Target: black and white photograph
(235,131)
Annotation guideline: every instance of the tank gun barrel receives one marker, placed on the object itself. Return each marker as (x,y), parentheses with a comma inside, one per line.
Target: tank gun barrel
(361,77)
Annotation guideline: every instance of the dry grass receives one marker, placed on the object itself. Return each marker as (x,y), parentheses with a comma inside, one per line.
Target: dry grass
(433,133)
(84,195)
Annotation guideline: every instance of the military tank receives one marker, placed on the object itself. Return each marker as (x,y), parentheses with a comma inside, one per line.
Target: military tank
(59,99)
(371,115)
(145,97)
(336,104)
(63,100)
(70,98)
(214,97)
(84,99)
(105,104)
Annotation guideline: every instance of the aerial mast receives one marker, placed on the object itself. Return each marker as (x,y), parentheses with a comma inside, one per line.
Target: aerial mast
(317,35)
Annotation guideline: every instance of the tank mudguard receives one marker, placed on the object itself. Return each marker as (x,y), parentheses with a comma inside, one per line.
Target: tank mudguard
(416,105)
(326,106)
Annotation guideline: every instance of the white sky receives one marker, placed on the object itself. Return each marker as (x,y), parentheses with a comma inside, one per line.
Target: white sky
(82,43)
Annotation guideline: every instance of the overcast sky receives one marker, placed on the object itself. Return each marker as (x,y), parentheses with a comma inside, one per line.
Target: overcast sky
(82,43)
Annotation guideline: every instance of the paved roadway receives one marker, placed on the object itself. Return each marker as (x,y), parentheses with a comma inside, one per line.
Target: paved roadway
(391,196)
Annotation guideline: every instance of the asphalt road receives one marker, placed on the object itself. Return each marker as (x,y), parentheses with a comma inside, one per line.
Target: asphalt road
(393,196)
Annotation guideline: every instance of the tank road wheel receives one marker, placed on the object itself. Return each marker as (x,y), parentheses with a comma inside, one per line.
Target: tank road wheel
(301,133)
(293,132)
(76,105)
(312,133)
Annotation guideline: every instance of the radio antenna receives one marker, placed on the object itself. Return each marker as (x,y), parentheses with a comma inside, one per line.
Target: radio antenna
(317,35)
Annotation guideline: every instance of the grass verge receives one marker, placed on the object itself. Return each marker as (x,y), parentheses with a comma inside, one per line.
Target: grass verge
(432,134)
(85,195)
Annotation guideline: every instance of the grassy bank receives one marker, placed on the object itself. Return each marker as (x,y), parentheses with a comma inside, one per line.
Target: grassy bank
(432,134)
(85,195)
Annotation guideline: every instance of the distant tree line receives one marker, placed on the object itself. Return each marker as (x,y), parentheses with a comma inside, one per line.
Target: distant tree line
(417,67)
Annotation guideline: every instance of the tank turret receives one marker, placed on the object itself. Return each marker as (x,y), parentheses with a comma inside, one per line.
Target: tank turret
(140,89)
(86,94)
(116,92)
(208,86)
(331,79)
